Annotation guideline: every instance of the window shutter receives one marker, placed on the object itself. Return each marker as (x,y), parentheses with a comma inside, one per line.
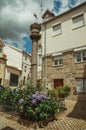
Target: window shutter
(78,21)
(57,29)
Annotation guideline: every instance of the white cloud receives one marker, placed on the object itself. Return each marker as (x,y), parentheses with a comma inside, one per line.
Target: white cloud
(65,5)
(16,16)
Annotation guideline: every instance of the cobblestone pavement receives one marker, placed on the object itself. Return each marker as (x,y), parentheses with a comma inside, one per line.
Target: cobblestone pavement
(63,122)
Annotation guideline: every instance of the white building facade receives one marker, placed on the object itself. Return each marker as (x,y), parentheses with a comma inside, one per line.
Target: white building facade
(64,46)
(26,68)
(65,31)
(14,71)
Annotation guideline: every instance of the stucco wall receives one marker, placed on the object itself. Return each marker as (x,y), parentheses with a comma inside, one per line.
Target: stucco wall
(14,58)
(69,38)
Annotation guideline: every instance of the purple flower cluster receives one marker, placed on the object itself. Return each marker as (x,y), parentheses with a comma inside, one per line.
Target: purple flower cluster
(43,96)
(21,101)
(37,97)
(33,101)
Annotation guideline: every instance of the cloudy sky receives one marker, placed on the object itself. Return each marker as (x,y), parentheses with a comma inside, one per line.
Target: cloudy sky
(16,16)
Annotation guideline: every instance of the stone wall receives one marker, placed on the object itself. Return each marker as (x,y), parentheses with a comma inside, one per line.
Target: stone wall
(69,71)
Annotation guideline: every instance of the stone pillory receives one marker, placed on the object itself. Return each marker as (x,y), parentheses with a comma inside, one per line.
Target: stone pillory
(35,29)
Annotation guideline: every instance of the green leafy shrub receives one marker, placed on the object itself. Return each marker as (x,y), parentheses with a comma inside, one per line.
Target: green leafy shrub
(63,91)
(9,99)
(53,93)
(30,103)
(37,107)
(1,90)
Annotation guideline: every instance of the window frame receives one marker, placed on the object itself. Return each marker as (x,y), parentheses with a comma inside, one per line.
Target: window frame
(57,31)
(14,80)
(82,83)
(25,68)
(39,59)
(81,56)
(57,60)
(76,17)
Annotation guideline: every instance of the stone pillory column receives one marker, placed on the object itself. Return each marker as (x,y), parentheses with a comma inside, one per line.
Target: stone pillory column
(35,36)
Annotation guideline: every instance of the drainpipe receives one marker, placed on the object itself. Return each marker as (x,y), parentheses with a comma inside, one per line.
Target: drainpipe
(45,62)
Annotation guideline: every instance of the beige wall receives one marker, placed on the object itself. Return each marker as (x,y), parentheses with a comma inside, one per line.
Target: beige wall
(26,61)
(70,38)
(8,71)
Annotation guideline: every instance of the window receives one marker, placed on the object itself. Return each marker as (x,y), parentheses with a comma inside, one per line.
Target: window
(57,29)
(14,79)
(40,59)
(25,67)
(47,17)
(24,78)
(84,56)
(81,85)
(78,21)
(81,56)
(57,61)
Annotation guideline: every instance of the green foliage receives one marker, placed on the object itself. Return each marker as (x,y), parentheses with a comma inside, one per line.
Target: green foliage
(9,99)
(38,85)
(63,91)
(30,103)
(52,93)
(37,107)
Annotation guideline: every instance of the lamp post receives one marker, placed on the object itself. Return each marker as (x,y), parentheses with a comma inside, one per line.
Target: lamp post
(35,29)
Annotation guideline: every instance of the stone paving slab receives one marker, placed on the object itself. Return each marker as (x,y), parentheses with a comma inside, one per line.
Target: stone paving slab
(62,123)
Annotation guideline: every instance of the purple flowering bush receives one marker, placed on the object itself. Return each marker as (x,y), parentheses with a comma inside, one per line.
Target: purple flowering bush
(29,103)
(37,107)
(11,99)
